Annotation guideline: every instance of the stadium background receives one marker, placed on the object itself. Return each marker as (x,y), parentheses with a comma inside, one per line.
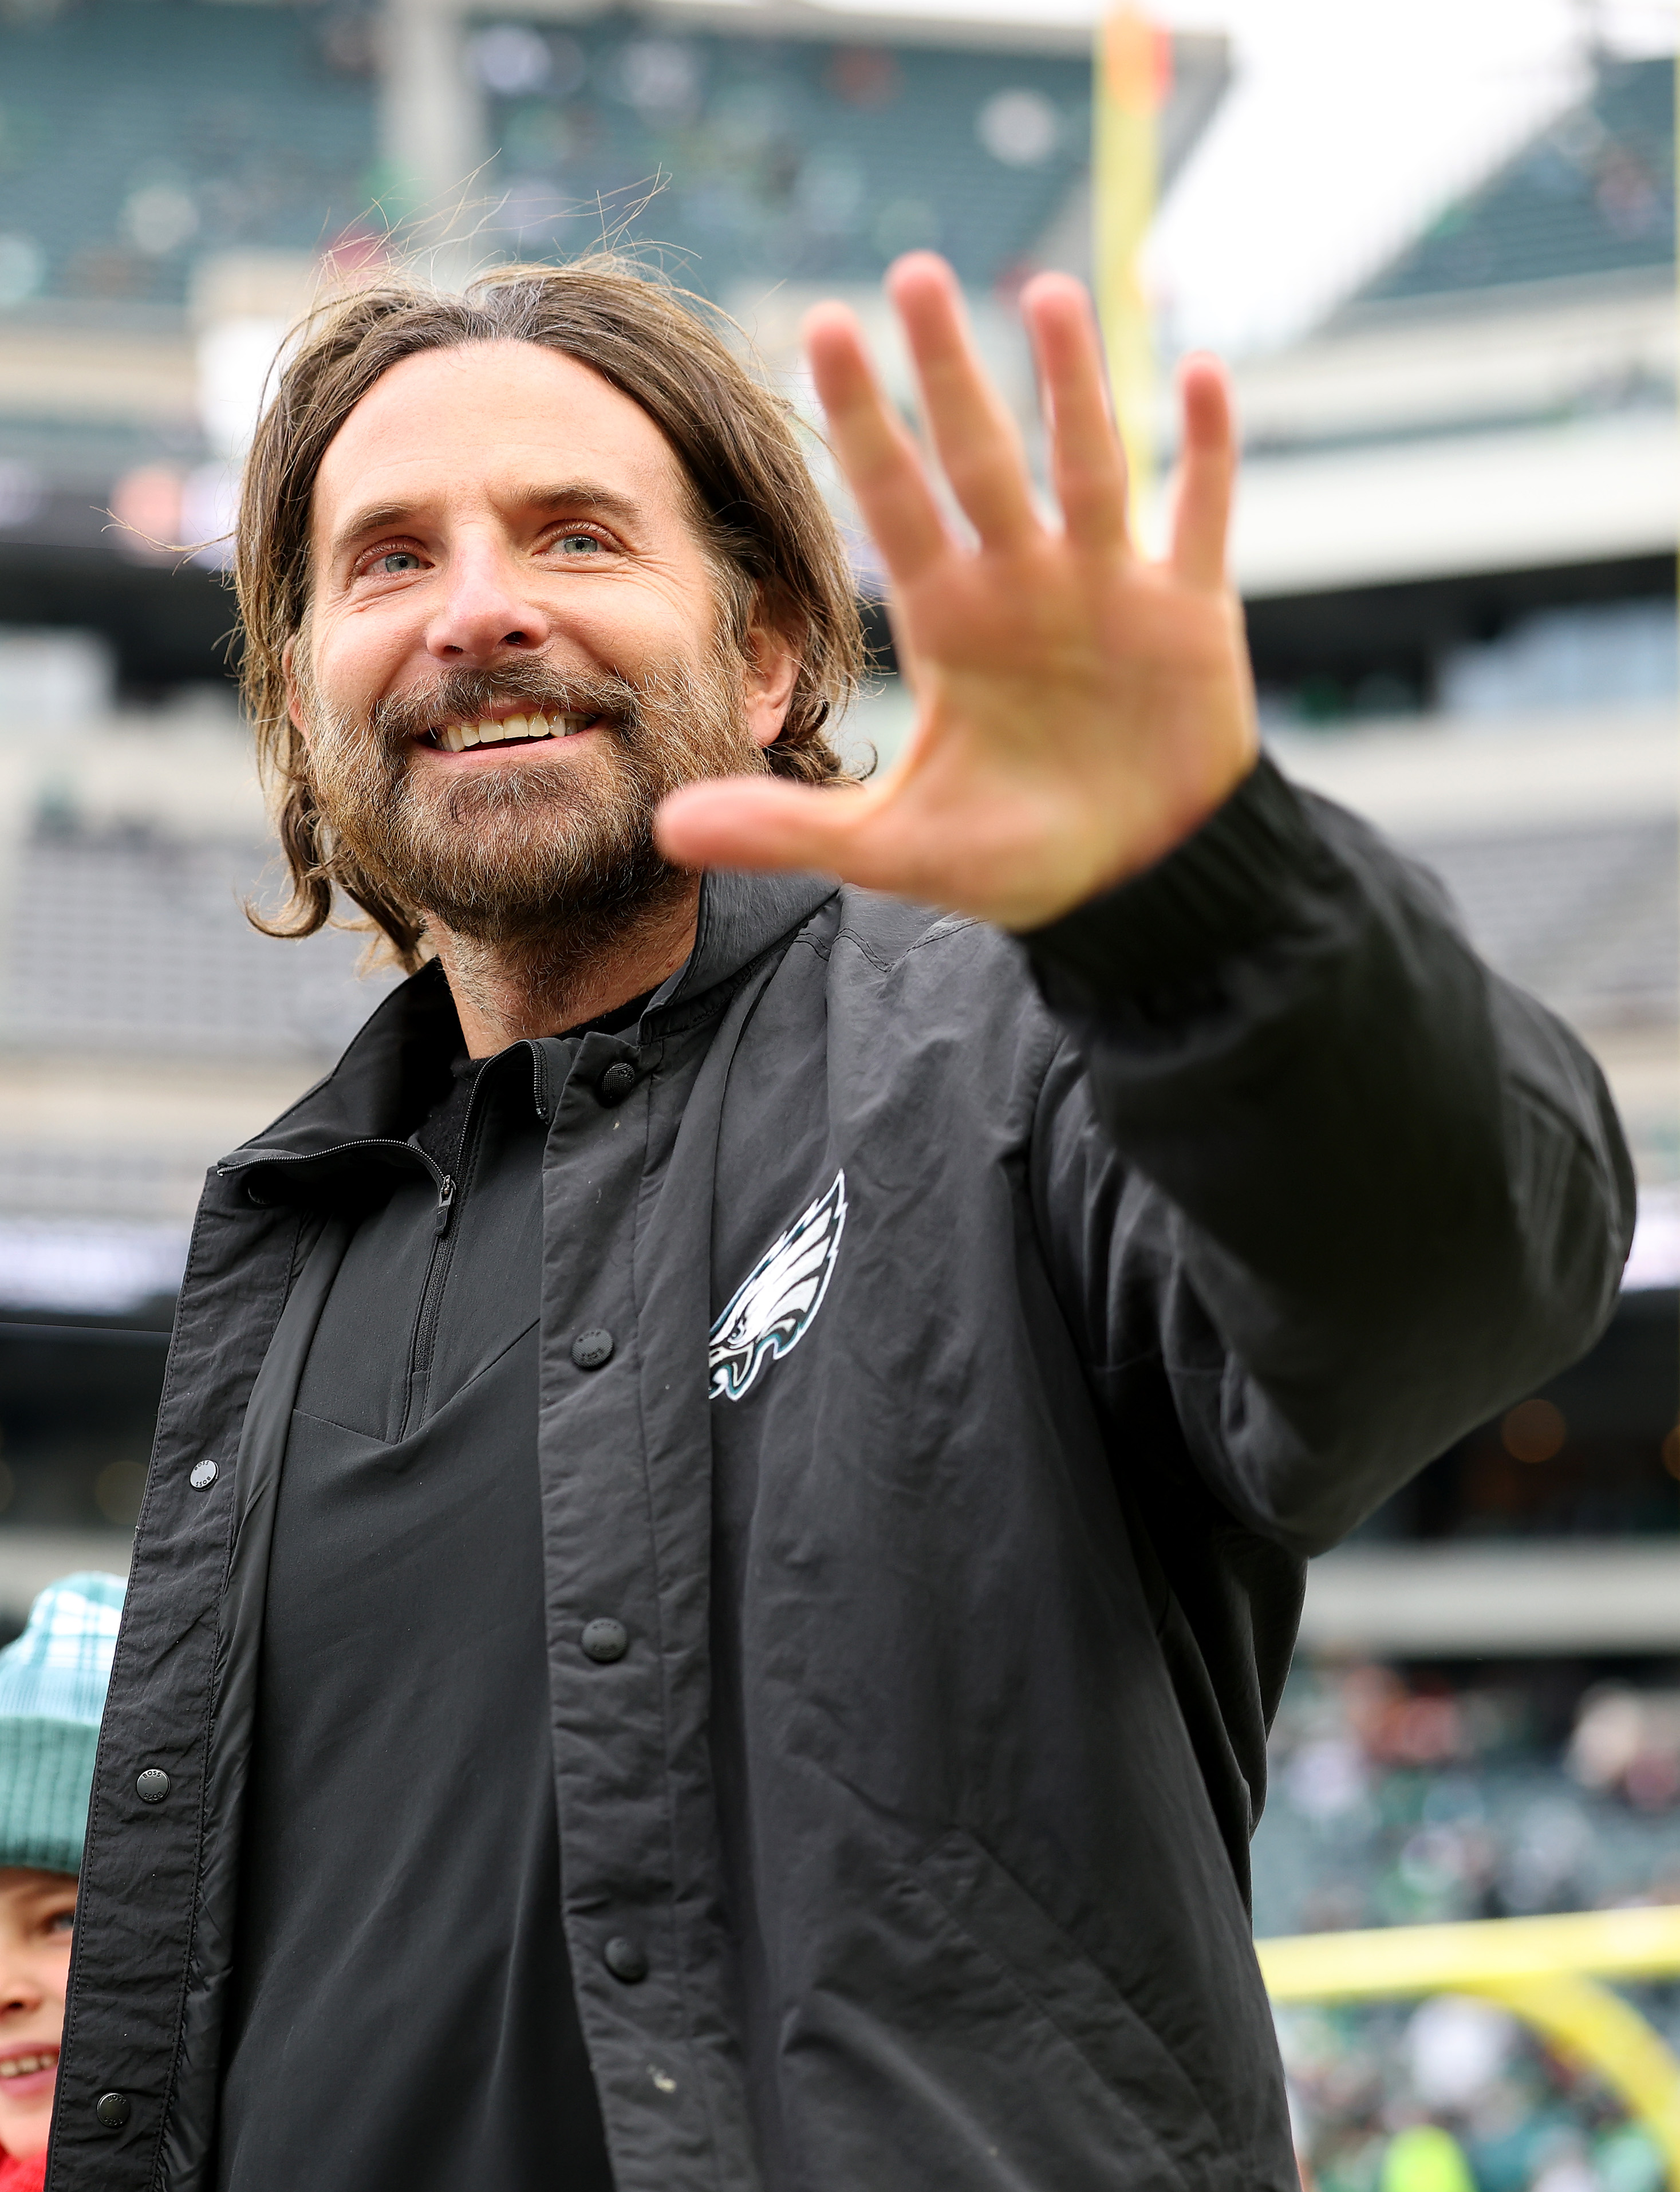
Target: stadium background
(1457,546)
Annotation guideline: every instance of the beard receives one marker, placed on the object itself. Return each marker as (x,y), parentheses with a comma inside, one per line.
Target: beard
(542,864)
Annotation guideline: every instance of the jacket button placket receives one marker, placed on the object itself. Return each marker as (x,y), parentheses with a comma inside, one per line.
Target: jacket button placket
(613,1742)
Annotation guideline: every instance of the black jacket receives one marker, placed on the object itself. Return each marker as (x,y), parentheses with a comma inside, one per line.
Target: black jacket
(960,1564)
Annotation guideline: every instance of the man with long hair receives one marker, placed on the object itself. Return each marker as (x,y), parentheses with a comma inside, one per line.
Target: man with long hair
(730,1503)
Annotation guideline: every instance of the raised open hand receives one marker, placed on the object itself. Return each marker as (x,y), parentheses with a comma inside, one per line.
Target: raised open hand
(1080,711)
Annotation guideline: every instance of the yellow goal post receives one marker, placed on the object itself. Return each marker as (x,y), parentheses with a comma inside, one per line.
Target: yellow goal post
(1548,1971)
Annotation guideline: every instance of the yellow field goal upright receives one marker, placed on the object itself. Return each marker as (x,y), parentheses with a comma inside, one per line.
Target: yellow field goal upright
(1547,1971)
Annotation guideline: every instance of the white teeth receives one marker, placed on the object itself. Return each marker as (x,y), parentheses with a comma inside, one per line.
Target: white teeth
(456,738)
(24,2066)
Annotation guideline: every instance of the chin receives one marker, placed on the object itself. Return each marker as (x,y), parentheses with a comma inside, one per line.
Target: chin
(23,2132)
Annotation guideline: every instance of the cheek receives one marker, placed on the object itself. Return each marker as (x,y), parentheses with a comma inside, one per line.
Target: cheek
(355,658)
(629,622)
(52,1975)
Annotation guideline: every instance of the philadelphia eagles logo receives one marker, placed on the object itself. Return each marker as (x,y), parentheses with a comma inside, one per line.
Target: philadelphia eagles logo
(773,1310)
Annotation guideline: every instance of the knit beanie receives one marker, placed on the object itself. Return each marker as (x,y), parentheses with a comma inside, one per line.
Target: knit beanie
(53,1681)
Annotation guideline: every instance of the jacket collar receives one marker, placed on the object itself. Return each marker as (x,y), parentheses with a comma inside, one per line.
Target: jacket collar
(740,916)
(410,1037)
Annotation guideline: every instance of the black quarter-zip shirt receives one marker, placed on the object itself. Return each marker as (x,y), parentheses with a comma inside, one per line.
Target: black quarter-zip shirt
(405,2017)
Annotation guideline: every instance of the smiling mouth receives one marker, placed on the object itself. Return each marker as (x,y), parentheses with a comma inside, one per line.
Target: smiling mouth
(26,2066)
(456,738)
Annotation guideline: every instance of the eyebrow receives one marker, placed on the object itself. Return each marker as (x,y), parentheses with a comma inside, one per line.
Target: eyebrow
(580,495)
(570,495)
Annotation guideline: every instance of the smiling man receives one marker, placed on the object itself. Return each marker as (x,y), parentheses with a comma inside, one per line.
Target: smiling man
(729,1508)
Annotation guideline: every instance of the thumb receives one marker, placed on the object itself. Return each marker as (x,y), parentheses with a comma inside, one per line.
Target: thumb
(744,822)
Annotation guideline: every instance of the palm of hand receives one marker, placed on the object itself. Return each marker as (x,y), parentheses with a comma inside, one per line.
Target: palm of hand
(1080,711)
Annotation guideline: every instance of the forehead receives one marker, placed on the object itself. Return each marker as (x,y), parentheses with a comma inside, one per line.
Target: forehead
(21,1885)
(448,426)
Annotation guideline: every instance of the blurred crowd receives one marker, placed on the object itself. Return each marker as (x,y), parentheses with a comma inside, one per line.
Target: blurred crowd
(1399,1800)
(1454,2095)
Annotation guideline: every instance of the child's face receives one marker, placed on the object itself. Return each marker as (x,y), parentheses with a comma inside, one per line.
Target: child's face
(37,1912)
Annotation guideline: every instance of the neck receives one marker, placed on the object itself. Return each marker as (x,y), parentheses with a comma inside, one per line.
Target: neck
(510,991)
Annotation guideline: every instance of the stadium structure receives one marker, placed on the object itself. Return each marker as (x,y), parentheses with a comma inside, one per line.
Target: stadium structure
(1457,549)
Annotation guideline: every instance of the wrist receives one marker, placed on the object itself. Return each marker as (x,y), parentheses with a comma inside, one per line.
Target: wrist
(1165,928)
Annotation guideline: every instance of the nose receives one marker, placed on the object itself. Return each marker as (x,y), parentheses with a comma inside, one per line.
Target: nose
(21,1991)
(483,613)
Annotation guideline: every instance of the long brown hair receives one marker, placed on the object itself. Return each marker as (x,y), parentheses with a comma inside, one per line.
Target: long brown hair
(773,545)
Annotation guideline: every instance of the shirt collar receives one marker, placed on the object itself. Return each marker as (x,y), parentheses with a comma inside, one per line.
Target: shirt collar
(410,1036)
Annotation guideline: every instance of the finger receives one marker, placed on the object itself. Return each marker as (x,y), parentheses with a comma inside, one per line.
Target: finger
(978,445)
(1206,474)
(904,651)
(877,456)
(747,822)
(1088,459)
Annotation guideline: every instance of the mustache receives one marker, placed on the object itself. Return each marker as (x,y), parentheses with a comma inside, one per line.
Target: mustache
(462,696)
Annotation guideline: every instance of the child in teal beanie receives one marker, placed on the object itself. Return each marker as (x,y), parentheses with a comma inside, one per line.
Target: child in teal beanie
(52,1691)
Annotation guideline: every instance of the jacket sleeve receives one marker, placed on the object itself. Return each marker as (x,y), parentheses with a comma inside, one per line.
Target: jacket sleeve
(1352,1190)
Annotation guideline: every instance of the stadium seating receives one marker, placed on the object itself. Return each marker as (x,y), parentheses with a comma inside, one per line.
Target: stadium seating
(783,159)
(1593,195)
(195,129)
(201,128)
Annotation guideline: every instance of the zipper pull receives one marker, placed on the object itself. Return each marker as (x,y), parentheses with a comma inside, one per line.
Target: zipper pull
(445,1203)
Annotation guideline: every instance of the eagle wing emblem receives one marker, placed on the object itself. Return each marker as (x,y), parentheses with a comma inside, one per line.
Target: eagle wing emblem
(773,1309)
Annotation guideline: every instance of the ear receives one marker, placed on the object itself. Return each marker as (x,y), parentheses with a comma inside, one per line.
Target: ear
(772,670)
(295,707)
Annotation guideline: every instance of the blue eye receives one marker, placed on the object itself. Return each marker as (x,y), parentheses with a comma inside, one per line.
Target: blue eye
(397,563)
(578,544)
